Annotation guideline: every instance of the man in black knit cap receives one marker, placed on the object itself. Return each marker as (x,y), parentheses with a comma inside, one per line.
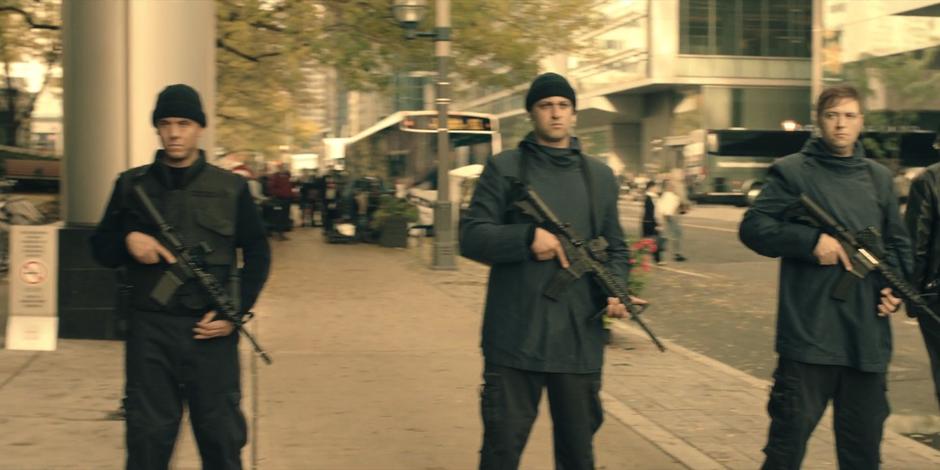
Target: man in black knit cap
(531,342)
(180,351)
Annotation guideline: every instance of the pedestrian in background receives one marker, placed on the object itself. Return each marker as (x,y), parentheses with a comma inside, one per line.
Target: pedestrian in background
(670,207)
(279,186)
(922,219)
(531,342)
(181,353)
(308,198)
(650,224)
(829,348)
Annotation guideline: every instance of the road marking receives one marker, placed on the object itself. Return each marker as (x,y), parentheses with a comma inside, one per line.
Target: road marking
(762,387)
(706,227)
(687,273)
(684,225)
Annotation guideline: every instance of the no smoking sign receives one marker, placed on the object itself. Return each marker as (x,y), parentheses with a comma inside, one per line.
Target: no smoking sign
(33,272)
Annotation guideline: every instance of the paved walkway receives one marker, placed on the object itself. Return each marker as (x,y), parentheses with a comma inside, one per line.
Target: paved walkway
(377,366)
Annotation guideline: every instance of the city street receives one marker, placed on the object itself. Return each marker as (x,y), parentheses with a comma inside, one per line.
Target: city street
(722,303)
(377,367)
(340,130)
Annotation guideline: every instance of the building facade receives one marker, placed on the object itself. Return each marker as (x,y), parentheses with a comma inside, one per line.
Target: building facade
(662,68)
(659,69)
(859,34)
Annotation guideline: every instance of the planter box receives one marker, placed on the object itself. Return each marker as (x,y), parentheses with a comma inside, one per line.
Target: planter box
(394,233)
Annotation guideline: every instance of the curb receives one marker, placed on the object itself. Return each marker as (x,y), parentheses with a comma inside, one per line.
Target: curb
(889,437)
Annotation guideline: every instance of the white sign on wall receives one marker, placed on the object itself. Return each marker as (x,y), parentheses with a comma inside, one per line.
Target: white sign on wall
(33,321)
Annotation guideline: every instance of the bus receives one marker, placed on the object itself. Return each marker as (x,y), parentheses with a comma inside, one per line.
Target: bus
(400,151)
(403,146)
(731,164)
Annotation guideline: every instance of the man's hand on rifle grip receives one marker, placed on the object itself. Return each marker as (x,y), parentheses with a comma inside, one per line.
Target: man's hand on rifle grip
(829,252)
(889,303)
(146,249)
(207,328)
(545,246)
(616,309)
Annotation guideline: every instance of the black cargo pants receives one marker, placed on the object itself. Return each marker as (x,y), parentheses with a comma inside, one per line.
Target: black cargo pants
(798,399)
(166,367)
(510,400)
(930,329)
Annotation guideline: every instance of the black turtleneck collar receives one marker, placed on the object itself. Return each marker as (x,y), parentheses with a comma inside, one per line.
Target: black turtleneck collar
(569,157)
(177,178)
(817,148)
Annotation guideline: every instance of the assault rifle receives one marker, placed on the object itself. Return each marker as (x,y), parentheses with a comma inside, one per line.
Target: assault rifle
(189,265)
(585,257)
(865,256)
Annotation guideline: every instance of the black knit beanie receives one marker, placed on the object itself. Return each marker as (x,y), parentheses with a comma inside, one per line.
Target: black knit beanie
(546,85)
(180,101)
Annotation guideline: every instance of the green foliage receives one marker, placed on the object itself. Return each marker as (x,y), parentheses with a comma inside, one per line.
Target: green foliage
(267,49)
(908,81)
(391,206)
(29,31)
(262,90)
(264,43)
(495,42)
(640,253)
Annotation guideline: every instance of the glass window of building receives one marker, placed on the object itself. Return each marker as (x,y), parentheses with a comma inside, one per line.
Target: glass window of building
(695,20)
(753,28)
(774,28)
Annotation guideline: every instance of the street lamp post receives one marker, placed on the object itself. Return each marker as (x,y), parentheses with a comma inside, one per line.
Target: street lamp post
(409,13)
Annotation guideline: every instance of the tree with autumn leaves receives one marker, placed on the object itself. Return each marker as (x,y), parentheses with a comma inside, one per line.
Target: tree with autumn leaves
(266,48)
(29,32)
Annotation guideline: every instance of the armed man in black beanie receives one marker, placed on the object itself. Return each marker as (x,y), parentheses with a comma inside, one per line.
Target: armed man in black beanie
(531,342)
(180,351)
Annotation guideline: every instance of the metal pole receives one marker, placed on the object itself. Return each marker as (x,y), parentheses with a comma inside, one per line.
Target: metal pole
(816,75)
(443,218)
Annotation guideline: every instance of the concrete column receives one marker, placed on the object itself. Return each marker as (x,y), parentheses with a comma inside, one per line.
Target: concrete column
(662,38)
(118,55)
(95,90)
(171,41)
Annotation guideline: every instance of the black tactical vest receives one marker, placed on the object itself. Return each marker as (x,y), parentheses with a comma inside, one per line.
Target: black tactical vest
(202,211)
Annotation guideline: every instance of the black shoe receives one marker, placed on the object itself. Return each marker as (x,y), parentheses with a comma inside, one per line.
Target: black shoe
(680,258)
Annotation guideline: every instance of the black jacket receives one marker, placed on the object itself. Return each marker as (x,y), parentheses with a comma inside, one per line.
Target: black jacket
(185,199)
(812,326)
(521,327)
(922,219)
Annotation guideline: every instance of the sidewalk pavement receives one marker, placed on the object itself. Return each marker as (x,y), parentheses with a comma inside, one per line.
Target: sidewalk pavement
(377,366)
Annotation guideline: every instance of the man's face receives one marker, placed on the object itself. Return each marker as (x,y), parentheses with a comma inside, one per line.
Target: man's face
(553,118)
(180,137)
(840,125)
